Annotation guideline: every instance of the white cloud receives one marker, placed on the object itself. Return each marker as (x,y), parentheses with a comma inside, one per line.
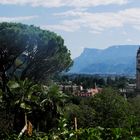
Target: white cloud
(16,19)
(129,40)
(95,32)
(63,27)
(98,22)
(67,3)
(124,33)
(137,27)
(93,3)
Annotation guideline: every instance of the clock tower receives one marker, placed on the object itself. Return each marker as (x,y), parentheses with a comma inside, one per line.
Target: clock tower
(138,70)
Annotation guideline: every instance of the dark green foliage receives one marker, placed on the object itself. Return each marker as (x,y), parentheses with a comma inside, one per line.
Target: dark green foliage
(98,133)
(41,53)
(83,113)
(135,103)
(107,109)
(111,109)
(105,116)
(87,81)
(42,105)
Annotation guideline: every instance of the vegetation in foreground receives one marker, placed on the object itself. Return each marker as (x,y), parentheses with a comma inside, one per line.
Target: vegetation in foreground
(51,113)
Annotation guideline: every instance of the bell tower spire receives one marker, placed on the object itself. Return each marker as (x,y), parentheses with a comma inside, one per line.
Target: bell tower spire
(138,69)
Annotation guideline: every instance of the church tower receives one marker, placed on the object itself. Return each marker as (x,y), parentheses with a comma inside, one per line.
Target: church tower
(138,69)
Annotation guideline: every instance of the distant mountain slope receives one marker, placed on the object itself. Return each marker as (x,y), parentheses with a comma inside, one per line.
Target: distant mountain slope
(118,59)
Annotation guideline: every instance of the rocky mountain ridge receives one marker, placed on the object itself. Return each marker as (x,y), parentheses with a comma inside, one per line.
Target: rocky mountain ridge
(118,59)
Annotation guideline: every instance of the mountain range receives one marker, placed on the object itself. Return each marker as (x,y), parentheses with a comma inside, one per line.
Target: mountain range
(118,59)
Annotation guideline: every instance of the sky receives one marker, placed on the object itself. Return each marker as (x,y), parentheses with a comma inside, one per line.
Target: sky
(82,23)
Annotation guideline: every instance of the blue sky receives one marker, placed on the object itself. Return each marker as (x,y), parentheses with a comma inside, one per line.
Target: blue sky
(82,23)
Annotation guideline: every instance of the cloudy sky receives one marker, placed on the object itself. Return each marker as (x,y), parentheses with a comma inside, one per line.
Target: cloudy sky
(82,23)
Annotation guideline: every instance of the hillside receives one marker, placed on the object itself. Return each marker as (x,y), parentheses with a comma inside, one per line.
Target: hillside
(118,59)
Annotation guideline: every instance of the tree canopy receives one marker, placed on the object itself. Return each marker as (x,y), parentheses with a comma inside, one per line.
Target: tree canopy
(31,52)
